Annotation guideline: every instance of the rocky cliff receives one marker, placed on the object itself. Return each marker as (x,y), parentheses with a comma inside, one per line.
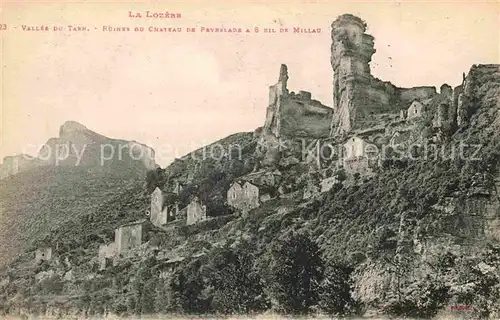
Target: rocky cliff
(358,97)
(478,88)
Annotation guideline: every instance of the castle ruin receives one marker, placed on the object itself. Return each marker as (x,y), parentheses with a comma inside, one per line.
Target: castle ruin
(196,212)
(358,97)
(289,114)
(360,100)
(107,254)
(159,209)
(130,236)
(43,254)
(246,196)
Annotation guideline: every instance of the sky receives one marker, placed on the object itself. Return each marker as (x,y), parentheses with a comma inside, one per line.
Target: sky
(177,92)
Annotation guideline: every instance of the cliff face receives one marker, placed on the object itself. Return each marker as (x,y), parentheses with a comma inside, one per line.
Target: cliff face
(448,254)
(480,87)
(447,258)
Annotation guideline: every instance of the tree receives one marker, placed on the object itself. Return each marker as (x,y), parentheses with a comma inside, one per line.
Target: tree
(335,289)
(161,299)
(148,296)
(295,273)
(236,286)
(142,287)
(51,285)
(186,287)
(155,178)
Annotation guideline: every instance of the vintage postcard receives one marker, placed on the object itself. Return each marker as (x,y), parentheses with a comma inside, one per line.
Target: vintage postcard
(249,159)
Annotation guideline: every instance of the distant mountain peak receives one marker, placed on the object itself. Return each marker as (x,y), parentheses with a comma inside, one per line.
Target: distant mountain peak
(73,126)
(76,132)
(79,146)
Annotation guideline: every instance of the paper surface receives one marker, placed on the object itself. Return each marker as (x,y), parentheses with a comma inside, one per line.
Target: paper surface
(237,158)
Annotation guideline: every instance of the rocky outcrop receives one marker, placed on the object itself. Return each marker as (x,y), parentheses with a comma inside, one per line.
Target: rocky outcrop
(352,50)
(481,86)
(143,153)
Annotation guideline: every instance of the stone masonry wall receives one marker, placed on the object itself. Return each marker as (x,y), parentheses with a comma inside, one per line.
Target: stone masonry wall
(358,96)
(128,237)
(196,212)
(290,114)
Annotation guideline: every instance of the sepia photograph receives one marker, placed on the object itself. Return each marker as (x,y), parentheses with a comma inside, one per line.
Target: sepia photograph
(248,159)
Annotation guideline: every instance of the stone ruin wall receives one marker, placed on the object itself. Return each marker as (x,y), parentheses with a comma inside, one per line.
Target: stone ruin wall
(128,237)
(196,212)
(290,114)
(158,210)
(302,116)
(359,98)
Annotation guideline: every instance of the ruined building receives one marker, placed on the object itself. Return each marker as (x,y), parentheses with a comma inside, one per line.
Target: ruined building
(196,212)
(295,115)
(415,110)
(159,210)
(358,97)
(245,196)
(360,155)
(130,236)
(43,254)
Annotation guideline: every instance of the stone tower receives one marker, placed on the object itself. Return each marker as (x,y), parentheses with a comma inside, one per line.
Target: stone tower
(276,92)
(290,115)
(283,79)
(351,53)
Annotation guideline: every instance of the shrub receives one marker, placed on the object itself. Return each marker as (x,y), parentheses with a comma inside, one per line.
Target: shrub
(294,274)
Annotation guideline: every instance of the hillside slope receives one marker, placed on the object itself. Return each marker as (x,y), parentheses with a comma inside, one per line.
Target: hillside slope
(418,238)
(36,202)
(71,177)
